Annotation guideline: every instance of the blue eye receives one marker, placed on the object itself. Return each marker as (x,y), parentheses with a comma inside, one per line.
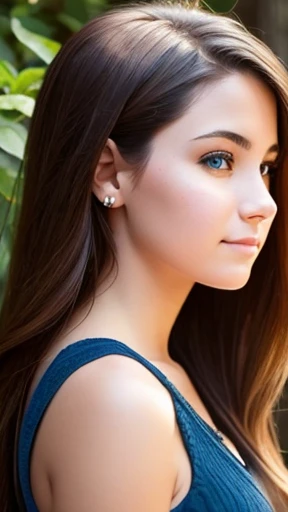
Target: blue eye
(215,162)
(218,160)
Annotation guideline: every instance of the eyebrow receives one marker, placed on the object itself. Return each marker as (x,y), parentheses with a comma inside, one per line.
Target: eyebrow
(235,137)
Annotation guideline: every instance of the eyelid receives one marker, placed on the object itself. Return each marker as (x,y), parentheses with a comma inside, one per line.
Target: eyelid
(273,163)
(219,152)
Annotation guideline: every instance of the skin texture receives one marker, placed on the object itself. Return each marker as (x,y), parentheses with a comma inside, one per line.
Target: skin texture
(97,450)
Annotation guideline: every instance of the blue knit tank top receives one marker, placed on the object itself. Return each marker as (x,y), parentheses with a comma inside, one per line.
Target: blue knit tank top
(220,482)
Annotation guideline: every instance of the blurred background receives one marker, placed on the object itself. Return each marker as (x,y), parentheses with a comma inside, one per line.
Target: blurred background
(31,34)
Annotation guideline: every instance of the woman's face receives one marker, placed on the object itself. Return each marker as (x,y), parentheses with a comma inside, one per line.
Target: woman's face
(207,183)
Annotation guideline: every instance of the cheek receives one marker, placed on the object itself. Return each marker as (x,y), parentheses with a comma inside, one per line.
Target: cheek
(180,215)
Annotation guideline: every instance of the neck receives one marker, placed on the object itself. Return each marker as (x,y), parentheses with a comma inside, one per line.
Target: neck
(139,305)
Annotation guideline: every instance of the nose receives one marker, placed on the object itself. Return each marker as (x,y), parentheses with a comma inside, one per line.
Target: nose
(258,204)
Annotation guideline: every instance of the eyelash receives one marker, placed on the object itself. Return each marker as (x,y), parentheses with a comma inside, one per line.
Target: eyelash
(228,157)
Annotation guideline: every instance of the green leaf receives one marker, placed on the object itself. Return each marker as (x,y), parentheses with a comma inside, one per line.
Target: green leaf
(7,74)
(27,9)
(19,128)
(5,249)
(4,259)
(19,102)
(9,68)
(12,115)
(221,6)
(3,212)
(19,10)
(7,181)
(69,22)
(33,90)
(45,48)
(11,140)
(31,23)
(27,79)
(9,162)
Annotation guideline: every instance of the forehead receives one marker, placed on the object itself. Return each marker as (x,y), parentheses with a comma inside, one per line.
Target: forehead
(240,103)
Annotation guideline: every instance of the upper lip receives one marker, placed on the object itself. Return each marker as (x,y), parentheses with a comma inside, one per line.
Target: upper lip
(245,241)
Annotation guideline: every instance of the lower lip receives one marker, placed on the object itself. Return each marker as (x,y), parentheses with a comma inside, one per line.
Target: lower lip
(243,248)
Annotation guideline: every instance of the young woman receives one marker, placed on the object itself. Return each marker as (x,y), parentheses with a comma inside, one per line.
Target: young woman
(144,331)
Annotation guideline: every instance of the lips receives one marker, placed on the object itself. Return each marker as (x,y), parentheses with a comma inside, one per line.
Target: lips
(242,249)
(244,241)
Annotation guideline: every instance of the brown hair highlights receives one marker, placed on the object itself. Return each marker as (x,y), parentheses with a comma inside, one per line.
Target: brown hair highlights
(125,75)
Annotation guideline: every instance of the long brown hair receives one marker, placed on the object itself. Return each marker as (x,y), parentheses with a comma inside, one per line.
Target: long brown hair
(125,75)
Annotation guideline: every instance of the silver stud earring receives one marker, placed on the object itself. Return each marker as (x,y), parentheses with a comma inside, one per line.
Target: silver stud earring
(109,201)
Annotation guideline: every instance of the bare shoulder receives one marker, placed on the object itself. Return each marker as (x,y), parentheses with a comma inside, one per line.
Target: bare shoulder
(107,441)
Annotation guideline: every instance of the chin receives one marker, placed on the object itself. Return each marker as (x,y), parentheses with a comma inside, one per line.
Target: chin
(228,282)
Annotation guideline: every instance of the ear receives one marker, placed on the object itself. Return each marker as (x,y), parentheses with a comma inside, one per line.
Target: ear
(105,182)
